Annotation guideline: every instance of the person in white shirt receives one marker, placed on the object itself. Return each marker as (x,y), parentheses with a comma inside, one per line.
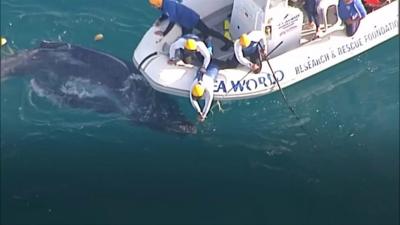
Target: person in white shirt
(193,51)
(203,88)
(250,50)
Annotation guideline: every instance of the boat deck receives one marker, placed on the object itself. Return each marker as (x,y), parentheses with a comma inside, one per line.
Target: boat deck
(307,36)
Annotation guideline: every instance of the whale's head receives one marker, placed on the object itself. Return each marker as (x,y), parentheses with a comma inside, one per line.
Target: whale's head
(172,122)
(181,127)
(167,116)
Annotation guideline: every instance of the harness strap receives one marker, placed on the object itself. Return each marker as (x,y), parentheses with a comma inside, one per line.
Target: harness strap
(227,34)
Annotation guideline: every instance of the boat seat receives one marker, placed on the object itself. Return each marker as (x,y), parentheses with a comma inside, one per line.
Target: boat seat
(325,7)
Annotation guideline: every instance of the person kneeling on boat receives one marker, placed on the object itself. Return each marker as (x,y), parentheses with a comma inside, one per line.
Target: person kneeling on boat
(351,12)
(203,88)
(250,51)
(192,51)
(187,18)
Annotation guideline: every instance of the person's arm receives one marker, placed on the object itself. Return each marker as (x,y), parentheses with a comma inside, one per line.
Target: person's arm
(202,48)
(262,41)
(258,37)
(343,12)
(208,95)
(162,18)
(175,46)
(168,29)
(239,55)
(195,104)
(360,8)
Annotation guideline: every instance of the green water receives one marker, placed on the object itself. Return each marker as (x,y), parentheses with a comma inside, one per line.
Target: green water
(251,164)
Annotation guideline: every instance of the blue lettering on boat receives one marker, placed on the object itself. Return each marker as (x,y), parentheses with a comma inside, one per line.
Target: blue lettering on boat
(249,82)
(261,80)
(237,84)
(222,86)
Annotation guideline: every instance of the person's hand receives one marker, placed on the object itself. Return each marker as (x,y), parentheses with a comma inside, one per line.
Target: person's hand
(203,70)
(264,54)
(201,117)
(171,62)
(159,33)
(254,67)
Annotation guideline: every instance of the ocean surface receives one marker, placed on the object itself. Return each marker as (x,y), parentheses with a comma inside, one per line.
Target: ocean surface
(252,164)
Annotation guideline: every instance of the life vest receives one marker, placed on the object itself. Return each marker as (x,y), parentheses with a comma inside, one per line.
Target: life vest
(193,58)
(227,34)
(251,50)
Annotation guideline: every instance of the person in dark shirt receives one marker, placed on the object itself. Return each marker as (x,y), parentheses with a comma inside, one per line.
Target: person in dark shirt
(250,50)
(187,18)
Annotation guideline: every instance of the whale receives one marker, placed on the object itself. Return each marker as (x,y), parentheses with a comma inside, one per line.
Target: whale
(80,77)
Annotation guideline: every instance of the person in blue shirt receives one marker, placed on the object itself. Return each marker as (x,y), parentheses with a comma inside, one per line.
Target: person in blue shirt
(187,18)
(351,12)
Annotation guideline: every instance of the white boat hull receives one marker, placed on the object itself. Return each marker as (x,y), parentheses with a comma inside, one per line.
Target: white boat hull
(290,67)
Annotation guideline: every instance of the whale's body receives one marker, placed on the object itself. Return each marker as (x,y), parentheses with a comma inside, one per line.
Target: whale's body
(86,78)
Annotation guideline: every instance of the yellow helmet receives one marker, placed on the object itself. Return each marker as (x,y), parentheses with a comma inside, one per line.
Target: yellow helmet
(190,44)
(156,3)
(244,40)
(198,91)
